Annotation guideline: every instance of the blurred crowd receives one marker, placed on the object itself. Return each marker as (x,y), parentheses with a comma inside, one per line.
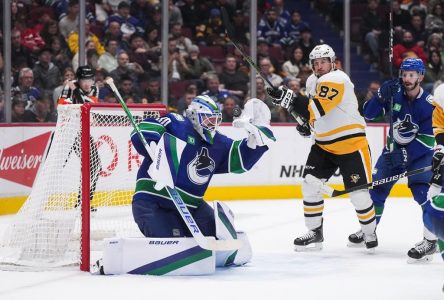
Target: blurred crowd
(123,42)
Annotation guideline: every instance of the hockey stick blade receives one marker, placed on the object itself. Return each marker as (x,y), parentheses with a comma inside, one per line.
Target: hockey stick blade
(335,193)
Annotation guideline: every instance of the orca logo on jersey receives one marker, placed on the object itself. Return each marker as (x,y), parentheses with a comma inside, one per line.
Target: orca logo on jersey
(404,131)
(201,167)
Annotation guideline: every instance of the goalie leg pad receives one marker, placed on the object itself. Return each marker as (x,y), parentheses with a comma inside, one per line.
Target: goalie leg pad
(156,256)
(364,210)
(225,230)
(313,204)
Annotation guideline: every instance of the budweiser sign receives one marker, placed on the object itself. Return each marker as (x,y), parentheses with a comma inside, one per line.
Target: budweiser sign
(19,163)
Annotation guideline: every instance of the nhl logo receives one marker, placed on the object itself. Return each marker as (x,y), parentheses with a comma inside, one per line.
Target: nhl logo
(354,178)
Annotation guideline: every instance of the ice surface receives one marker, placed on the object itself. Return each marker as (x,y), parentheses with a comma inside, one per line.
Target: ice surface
(276,272)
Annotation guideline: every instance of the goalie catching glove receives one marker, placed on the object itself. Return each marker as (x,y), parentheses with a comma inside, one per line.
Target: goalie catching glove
(281,96)
(257,135)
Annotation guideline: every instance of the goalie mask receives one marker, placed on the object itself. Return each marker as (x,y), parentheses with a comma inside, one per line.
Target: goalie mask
(322,51)
(205,116)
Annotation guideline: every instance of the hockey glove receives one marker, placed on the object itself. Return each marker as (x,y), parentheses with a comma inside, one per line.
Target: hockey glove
(396,160)
(304,130)
(388,89)
(280,96)
(257,135)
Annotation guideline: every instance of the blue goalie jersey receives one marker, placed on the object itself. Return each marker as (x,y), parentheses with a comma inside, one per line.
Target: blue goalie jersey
(412,127)
(199,160)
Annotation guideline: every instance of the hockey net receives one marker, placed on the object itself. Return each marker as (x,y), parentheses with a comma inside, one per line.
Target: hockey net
(82,193)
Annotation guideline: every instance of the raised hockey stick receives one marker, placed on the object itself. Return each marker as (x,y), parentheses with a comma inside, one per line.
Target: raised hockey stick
(229,30)
(202,241)
(391,141)
(327,190)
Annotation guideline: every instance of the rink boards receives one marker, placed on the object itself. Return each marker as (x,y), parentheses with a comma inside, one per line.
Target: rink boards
(276,176)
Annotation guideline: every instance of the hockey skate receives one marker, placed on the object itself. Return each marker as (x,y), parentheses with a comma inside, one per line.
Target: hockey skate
(370,241)
(311,241)
(356,240)
(423,251)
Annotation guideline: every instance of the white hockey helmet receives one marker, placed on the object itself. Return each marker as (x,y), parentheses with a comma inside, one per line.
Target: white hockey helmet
(321,51)
(205,116)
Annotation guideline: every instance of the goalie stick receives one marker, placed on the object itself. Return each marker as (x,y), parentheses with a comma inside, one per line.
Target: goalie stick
(335,193)
(229,30)
(202,241)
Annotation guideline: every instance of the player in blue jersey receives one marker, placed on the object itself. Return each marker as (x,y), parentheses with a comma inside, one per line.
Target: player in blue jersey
(413,144)
(207,152)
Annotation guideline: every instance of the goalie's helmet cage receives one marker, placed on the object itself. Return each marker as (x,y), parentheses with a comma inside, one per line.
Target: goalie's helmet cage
(412,64)
(205,116)
(321,51)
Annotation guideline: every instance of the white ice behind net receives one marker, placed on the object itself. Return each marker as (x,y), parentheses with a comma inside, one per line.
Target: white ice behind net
(45,233)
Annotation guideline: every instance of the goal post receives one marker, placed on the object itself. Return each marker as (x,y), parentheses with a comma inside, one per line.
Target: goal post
(83,190)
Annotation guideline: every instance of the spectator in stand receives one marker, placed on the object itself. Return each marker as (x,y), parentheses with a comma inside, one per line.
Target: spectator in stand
(89,46)
(20,55)
(125,68)
(182,42)
(260,90)
(47,75)
(263,51)
(152,39)
(108,60)
(434,70)
(41,111)
(293,28)
(185,100)
(113,32)
(294,67)
(18,109)
(126,89)
(125,19)
(214,91)
(51,30)
(175,13)
(416,27)
(371,28)
(407,48)
(267,70)
(212,32)
(100,77)
(435,43)
(70,22)
(416,7)
(269,28)
(227,109)
(110,98)
(283,15)
(401,19)
(60,54)
(192,13)
(73,40)
(175,61)
(434,21)
(152,92)
(306,43)
(68,75)
(363,97)
(241,33)
(235,81)
(29,93)
(140,9)
(294,85)
(196,67)
(140,54)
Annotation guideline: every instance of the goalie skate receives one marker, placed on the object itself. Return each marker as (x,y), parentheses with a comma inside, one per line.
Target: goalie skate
(311,241)
(356,240)
(422,251)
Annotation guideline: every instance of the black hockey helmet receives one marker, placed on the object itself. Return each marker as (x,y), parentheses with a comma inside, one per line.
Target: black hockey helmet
(85,72)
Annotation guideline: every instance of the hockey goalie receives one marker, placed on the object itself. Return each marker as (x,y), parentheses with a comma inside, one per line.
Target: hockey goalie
(194,151)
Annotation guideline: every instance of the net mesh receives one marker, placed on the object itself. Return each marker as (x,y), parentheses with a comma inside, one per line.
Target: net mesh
(46,231)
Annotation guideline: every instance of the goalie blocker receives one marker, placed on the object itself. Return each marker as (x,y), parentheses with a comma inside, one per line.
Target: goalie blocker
(174,256)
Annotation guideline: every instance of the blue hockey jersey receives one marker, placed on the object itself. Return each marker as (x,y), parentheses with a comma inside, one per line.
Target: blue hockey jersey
(199,160)
(412,122)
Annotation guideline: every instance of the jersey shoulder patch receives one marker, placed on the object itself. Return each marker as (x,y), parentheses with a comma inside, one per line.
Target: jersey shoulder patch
(178,117)
(429,99)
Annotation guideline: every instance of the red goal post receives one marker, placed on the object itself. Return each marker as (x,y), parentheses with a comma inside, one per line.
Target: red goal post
(82,193)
